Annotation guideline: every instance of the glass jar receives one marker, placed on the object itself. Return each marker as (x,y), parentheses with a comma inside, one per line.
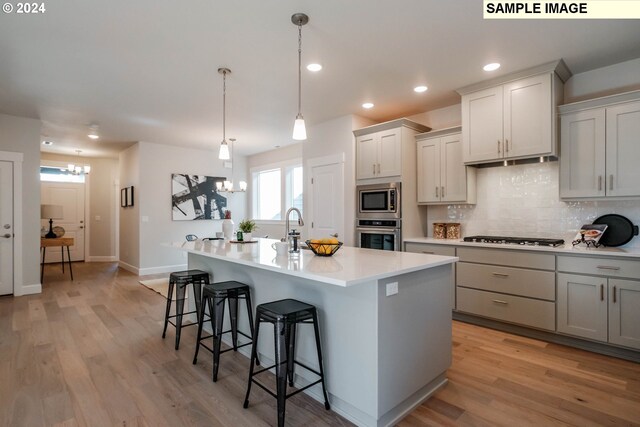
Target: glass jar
(439,230)
(453,230)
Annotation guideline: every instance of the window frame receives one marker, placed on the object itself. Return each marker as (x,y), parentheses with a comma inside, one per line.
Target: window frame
(286,168)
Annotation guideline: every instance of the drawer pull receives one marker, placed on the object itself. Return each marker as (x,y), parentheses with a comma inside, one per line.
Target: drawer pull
(427,252)
(607,267)
(615,298)
(499,301)
(601,292)
(500,274)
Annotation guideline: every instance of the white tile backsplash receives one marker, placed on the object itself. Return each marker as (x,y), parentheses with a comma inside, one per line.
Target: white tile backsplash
(523,200)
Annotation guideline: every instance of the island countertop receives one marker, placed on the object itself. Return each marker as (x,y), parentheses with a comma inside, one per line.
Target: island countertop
(347,267)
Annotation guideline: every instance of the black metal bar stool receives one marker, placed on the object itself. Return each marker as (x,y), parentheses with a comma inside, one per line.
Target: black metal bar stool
(214,296)
(179,280)
(285,315)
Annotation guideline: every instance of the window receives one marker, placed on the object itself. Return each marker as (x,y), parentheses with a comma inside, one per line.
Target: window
(275,189)
(58,174)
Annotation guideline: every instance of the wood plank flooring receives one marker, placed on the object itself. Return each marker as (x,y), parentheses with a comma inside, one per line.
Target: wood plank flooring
(90,353)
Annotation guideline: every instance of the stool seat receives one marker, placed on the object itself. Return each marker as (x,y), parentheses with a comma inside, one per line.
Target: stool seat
(223,287)
(179,280)
(285,315)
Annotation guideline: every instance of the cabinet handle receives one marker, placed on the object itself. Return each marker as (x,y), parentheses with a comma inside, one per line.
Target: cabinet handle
(374,168)
(427,252)
(601,292)
(498,146)
(506,145)
(599,182)
(607,267)
(610,182)
(378,168)
(441,191)
(437,191)
(614,295)
(500,274)
(499,301)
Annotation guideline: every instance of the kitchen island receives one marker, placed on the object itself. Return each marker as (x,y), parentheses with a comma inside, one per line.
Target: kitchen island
(383,355)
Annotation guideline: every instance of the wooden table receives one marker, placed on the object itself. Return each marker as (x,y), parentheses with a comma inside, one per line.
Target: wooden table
(62,242)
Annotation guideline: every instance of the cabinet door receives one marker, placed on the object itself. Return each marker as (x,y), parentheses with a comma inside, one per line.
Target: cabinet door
(623,150)
(582,151)
(624,312)
(429,171)
(453,174)
(367,156)
(390,153)
(528,117)
(582,306)
(482,125)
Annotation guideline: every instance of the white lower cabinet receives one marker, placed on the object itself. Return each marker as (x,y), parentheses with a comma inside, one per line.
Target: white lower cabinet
(599,308)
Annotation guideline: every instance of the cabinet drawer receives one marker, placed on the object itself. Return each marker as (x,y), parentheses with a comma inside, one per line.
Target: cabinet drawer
(600,266)
(515,281)
(423,248)
(508,308)
(508,258)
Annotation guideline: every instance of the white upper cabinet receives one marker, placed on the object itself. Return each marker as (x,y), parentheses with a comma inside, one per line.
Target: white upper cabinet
(442,176)
(379,148)
(599,147)
(512,117)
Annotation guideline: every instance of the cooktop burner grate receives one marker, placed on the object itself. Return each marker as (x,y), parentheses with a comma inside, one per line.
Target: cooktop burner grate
(506,240)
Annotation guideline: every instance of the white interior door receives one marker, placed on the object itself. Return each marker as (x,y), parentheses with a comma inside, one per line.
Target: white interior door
(327,201)
(70,195)
(6,228)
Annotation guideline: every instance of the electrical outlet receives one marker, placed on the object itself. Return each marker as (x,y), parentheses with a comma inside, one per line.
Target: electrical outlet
(392,288)
(145,218)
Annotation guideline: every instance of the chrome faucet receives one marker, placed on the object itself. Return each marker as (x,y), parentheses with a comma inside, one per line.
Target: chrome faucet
(300,221)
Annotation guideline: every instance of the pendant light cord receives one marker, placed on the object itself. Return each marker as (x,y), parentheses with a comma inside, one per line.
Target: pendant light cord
(299,67)
(224,105)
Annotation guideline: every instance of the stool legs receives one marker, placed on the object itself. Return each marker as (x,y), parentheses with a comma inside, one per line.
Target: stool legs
(218,315)
(280,345)
(180,292)
(320,363)
(233,317)
(200,325)
(254,358)
(291,349)
(168,310)
(252,330)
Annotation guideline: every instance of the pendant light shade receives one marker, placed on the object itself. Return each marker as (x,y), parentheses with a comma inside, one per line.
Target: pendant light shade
(223,154)
(299,128)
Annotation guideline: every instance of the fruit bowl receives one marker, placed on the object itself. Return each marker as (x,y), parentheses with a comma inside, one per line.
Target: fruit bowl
(323,249)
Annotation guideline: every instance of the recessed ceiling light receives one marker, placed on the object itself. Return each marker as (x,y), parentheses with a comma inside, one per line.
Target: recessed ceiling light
(47,142)
(314,67)
(420,89)
(491,67)
(93,132)
(367,105)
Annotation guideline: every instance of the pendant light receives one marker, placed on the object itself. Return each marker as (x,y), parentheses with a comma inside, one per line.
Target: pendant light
(223,154)
(299,130)
(78,169)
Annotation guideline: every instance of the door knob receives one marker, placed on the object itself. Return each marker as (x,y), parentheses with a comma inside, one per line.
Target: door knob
(81,227)
(7,236)
(7,226)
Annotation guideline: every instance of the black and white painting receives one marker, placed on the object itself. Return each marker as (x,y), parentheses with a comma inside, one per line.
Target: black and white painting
(195,197)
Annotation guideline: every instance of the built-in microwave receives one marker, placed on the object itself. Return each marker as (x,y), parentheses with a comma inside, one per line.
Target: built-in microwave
(379,200)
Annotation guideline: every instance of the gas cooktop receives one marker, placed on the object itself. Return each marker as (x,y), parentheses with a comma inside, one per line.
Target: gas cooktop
(504,240)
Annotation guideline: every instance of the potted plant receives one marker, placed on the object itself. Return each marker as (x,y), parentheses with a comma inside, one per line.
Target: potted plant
(247,226)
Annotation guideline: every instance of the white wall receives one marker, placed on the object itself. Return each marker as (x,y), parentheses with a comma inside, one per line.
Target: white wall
(441,118)
(129,165)
(156,164)
(616,78)
(22,135)
(103,196)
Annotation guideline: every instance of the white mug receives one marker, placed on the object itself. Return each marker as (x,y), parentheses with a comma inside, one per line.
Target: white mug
(281,248)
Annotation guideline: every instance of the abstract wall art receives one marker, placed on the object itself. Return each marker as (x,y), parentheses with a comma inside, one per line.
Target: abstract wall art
(195,197)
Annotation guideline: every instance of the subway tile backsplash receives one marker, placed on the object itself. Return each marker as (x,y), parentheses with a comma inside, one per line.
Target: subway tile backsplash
(523,200)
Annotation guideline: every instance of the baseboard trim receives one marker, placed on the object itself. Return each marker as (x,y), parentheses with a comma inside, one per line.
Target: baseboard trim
(552,337)
(101,259)
(36,288)
(130,268)
(162,269)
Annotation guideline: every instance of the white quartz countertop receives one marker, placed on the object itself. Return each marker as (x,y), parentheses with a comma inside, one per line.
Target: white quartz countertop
(567,249)
(347,267)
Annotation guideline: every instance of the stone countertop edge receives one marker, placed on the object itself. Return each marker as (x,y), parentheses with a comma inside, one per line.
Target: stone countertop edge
(348,275)
(567,249)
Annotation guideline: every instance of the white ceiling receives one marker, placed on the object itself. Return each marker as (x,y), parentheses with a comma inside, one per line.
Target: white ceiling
(147,69)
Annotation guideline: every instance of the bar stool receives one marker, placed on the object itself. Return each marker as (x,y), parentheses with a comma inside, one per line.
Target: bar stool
(179,280)
(214,296)
(285,315)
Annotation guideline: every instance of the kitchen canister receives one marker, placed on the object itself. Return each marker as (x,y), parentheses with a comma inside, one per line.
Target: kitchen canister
(453,230)
(439,230)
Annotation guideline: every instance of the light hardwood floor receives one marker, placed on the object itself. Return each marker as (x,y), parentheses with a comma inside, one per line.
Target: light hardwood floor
(90,353)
